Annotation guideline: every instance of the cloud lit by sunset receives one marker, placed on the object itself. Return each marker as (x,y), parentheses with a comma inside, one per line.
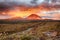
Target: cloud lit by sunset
(46,9)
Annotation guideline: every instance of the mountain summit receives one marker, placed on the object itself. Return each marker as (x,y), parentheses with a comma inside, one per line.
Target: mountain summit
(33,17)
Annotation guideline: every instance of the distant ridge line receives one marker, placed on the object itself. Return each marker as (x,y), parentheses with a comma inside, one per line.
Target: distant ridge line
(26,21)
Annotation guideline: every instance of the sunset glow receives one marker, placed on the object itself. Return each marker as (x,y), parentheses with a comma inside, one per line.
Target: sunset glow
(18,13)
(43,10)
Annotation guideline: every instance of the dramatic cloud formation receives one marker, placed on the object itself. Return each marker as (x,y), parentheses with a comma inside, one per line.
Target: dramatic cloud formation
(22,2)
(45,8)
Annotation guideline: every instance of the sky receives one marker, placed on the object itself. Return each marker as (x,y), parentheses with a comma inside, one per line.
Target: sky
(24,8)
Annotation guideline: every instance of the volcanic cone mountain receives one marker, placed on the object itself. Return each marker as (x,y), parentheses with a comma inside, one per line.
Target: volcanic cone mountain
(33,17)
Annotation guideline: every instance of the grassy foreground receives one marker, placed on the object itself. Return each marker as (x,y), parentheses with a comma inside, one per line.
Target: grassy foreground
(30,31)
